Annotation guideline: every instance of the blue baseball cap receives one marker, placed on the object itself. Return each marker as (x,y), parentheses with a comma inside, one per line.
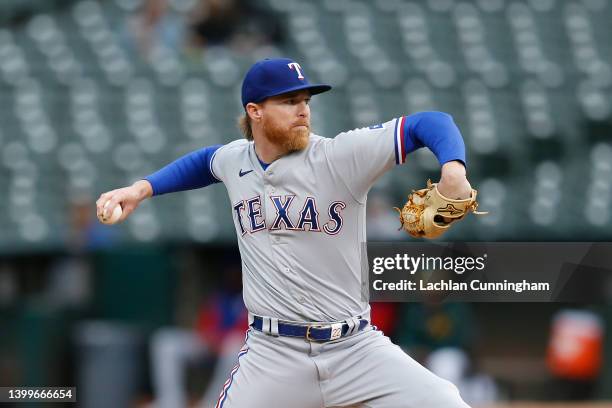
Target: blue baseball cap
(276,76)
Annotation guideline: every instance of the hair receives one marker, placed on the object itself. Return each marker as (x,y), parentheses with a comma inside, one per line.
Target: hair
(244,124)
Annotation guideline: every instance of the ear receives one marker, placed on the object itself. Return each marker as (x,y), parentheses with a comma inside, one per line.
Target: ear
(254,111)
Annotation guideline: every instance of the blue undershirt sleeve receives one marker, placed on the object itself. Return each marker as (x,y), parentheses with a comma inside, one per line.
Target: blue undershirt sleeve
(191,171)
(436,131)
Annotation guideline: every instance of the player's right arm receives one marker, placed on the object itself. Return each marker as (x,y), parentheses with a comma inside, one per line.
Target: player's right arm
(194,170)
(129,198)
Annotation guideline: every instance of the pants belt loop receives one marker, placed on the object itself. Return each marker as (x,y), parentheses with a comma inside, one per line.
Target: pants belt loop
(265,325)
(274,326)
(351,326)
(354,325)
(357,323)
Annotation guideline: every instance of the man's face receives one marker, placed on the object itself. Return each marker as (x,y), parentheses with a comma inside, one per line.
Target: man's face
(286,120)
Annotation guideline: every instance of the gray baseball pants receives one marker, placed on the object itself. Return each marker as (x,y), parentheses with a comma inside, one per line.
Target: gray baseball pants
(365,370)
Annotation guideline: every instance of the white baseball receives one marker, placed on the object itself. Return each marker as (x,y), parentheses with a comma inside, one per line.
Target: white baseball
(117,212)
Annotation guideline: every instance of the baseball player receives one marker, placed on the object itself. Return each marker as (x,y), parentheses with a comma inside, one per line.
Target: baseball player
(298,205)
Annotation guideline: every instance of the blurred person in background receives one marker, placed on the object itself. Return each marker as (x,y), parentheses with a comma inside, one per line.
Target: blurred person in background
(154,27)
(427,326)
(385,317)
(575,353)
(85,233)
(239,24)
(219,333)
(49,293)
(440,335)
(455,365)
(69,279)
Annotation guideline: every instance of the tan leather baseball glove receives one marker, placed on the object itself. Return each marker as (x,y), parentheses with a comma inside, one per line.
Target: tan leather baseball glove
(428,214)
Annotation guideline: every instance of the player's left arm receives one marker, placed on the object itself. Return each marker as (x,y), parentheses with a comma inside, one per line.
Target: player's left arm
(438,132)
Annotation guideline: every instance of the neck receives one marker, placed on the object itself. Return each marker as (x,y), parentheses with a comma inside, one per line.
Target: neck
(266,151)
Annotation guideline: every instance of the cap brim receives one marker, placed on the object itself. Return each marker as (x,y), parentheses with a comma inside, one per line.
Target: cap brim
(313,88)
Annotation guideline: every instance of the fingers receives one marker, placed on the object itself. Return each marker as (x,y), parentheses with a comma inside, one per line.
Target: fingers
(102,200)
(107,203)
(111,204)
(101,203)
(127,210)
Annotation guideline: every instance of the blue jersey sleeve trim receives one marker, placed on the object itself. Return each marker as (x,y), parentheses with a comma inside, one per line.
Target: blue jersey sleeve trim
(194,170)
(436,131)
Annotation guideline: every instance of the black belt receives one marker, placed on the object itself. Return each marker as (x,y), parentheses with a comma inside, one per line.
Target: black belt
(320,332)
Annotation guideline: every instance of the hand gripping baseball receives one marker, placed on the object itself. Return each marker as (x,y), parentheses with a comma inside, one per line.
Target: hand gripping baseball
(428,214)
(126,198)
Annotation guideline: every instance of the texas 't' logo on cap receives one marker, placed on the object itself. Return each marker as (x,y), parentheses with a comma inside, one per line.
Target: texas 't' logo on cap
(276,76)
(297,67)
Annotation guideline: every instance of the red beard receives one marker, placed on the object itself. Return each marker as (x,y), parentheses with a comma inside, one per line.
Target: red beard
(289,140)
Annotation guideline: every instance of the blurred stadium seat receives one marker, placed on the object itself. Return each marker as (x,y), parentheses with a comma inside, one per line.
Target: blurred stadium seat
(84,113)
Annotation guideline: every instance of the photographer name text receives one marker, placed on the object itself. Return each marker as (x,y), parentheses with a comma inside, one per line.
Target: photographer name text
(450,285)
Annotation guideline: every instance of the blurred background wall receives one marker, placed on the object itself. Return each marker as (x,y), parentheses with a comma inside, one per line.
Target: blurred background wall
(97,94)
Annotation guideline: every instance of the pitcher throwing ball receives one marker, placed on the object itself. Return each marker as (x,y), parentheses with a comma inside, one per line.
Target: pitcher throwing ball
(299,205)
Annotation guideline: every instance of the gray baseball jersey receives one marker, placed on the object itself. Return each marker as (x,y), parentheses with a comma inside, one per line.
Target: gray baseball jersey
(300,223)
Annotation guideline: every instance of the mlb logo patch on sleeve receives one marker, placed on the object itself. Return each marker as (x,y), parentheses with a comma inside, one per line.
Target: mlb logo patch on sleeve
(379,126)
